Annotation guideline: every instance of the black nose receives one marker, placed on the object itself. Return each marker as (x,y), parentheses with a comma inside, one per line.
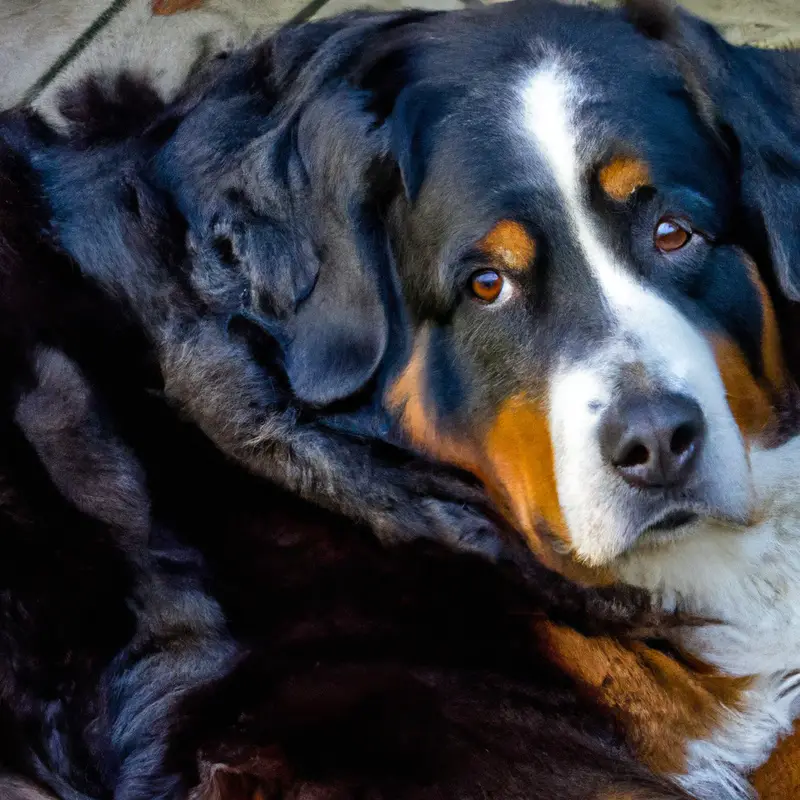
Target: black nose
(653,441)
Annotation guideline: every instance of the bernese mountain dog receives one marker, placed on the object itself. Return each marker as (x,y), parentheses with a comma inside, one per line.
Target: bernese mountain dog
(466,281)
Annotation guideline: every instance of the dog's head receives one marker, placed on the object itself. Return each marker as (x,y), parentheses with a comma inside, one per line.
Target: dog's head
(574,238)
(579,245)
(531,230)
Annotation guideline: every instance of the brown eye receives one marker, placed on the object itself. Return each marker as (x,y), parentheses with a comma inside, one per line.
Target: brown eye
(486,285)
(671,235)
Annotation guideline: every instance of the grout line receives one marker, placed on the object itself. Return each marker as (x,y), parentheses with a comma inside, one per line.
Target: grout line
(72,52)
(306,12)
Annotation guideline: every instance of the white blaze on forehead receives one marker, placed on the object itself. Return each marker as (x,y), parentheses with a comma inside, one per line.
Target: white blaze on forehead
(646,330)
(552,98)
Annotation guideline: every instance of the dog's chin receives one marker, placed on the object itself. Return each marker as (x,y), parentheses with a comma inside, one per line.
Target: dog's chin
(653,524)
(677,523)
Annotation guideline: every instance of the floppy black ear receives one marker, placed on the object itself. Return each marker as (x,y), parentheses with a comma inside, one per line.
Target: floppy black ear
(340,334)
(753,97)
(411,104)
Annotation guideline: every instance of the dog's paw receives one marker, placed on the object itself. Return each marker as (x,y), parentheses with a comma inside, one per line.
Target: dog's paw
(444,510)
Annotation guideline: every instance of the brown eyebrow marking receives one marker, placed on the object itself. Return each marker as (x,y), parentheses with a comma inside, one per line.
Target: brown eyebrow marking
(622,176)
(509,245)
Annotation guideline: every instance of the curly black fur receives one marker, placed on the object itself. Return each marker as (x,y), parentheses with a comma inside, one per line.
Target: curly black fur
(171,625)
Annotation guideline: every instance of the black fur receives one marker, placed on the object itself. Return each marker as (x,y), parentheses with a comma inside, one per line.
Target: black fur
(169,624)
(223,279)
(253,222)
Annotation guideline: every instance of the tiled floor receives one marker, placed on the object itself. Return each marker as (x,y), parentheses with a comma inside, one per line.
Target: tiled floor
(45,44)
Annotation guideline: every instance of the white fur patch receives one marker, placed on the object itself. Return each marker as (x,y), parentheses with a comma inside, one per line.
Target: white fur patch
(648,333)
(749,579)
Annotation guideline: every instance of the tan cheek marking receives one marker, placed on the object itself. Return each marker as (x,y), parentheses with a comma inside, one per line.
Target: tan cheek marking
(661,703)
(749,403)
(622,176)
(509,245)
(519,467)
(779,778)
(408,396)
(514,461)
(519,471)
(771,351)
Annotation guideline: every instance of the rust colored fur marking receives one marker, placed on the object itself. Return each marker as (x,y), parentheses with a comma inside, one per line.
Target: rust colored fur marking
(771,353)
(408,395)
(513,457)
(509,245)
(519,467)
(662,703)
(779,778)
(752,400)
(749,402)
(622,176)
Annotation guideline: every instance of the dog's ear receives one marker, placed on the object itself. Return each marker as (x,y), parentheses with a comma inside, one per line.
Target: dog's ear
(398,95)
(340,332)
(749,98)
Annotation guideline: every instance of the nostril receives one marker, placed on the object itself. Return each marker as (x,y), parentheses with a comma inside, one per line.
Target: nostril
(652,441)
(636,455)
(682,439)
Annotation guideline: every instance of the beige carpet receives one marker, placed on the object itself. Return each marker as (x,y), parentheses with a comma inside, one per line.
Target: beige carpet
(45,44)
(769,23)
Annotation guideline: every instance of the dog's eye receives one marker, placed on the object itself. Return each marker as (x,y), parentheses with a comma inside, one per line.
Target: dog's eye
(486,285)
(671,235)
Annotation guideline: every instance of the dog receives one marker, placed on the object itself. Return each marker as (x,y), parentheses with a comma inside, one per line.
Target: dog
(635,280)
(568,286)
(171,626)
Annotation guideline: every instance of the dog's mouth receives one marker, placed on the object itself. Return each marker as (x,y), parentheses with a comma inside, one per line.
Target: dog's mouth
(676,523)
(671,521)
(656,523)
(668,527)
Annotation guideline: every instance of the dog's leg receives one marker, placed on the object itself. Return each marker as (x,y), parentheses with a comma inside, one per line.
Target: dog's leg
(181,640)
(213,379)
(91,466)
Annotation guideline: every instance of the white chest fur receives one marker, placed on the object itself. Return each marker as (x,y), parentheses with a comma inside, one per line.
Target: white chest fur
(749,580)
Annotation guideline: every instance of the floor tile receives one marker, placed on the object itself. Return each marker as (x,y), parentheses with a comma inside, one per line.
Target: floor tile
(339,6)
(165,48)
(33,35)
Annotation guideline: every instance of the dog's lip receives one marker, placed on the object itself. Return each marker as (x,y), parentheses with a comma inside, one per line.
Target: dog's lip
(669,521)
(677,520)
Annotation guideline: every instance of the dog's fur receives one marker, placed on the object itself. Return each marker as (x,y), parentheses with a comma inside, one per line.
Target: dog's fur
(287,653)
(282,254)
(171,626)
